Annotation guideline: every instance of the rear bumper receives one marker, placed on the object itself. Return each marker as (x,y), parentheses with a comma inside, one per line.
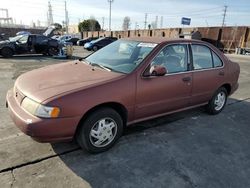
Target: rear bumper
(40,129)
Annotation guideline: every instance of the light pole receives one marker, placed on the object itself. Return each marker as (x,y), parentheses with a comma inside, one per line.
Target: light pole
(110,2)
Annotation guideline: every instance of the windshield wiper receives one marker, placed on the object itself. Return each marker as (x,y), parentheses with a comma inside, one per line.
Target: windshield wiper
(101,66)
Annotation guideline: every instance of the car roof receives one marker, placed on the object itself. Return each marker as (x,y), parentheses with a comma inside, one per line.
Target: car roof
(159,40)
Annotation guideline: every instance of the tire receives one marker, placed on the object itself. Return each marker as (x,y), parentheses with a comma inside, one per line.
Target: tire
(7,52)
(95,48)
(53,51)
(100,130)
(218,101)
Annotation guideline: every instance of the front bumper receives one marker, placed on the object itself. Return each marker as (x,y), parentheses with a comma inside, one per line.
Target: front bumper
(41,129)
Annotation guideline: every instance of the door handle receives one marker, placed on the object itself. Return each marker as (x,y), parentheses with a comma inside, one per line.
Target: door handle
(186,79)
(221,73)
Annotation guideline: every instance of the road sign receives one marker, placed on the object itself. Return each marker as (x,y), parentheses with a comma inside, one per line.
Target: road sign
(185,21)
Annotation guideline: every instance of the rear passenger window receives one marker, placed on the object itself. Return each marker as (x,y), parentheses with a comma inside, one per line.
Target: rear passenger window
(217,60)
(202,58)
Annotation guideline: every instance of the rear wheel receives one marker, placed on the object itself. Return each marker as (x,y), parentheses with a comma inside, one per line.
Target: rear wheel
(53,51)
(95,48)
(218,102)
(100,130)
(7,52)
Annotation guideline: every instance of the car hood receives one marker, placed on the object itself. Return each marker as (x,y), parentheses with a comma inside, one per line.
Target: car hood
(44,83)
(6,42)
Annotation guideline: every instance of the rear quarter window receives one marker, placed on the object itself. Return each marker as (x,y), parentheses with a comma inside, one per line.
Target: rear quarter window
(217,60)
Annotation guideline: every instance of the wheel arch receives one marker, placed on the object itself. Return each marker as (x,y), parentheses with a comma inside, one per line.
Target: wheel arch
(122,111)
(4,47)
(228,87)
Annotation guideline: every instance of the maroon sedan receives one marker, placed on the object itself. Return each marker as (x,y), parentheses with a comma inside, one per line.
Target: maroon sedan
(128,81)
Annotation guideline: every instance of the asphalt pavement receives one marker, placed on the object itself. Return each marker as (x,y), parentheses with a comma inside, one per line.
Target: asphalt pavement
(187,149)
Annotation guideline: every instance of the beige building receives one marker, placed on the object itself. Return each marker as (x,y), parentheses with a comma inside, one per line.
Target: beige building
(73,29)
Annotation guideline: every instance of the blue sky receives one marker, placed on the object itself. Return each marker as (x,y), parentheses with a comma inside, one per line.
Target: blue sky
(202,13)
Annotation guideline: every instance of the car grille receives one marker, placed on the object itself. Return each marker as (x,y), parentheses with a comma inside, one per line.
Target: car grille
(18,95)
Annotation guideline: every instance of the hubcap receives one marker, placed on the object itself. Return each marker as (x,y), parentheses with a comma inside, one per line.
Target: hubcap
(220,101)
(103,132)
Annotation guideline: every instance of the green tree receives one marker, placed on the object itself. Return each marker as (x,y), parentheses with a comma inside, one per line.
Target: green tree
(89,25)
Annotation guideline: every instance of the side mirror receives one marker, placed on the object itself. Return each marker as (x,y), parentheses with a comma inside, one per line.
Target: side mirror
(157,70)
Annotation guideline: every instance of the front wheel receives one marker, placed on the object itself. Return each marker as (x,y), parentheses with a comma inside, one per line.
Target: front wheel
(7,52)
(218,102)
(100,130)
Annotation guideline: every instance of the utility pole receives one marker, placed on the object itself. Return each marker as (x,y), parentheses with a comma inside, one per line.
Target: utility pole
(50,15)
(156,22)
(146,21)
(110,2)
(161,22)
(6,18)
(103,19)
(66,18)
(224,15)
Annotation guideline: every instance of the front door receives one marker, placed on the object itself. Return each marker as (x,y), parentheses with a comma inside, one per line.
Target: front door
(161,94)
(23,45)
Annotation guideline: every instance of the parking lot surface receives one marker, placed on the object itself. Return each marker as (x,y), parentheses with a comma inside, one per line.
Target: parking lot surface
(187,149)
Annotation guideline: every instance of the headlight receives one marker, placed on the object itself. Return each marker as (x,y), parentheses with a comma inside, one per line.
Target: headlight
(39,110)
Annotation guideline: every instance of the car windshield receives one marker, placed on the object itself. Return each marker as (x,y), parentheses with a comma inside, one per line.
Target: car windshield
(121,56)
(13,39)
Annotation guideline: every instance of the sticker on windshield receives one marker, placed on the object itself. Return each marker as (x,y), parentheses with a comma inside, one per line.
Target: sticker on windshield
(147,45)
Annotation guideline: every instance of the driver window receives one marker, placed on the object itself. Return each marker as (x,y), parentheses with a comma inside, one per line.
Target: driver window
(23,39)
(173,58)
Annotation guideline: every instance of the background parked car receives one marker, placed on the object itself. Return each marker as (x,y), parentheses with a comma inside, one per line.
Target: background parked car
(73,40)
(68,38)
(82,42)
(29,44)
(99,43)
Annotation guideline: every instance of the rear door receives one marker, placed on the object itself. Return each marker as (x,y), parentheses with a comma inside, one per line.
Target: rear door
(160,94)
(208,73)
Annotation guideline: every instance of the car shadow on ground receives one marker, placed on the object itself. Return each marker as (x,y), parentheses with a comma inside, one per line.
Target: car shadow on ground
(186,149)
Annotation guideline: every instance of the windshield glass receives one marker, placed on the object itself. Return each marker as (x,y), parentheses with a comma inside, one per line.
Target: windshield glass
(13,39)
(121,56)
